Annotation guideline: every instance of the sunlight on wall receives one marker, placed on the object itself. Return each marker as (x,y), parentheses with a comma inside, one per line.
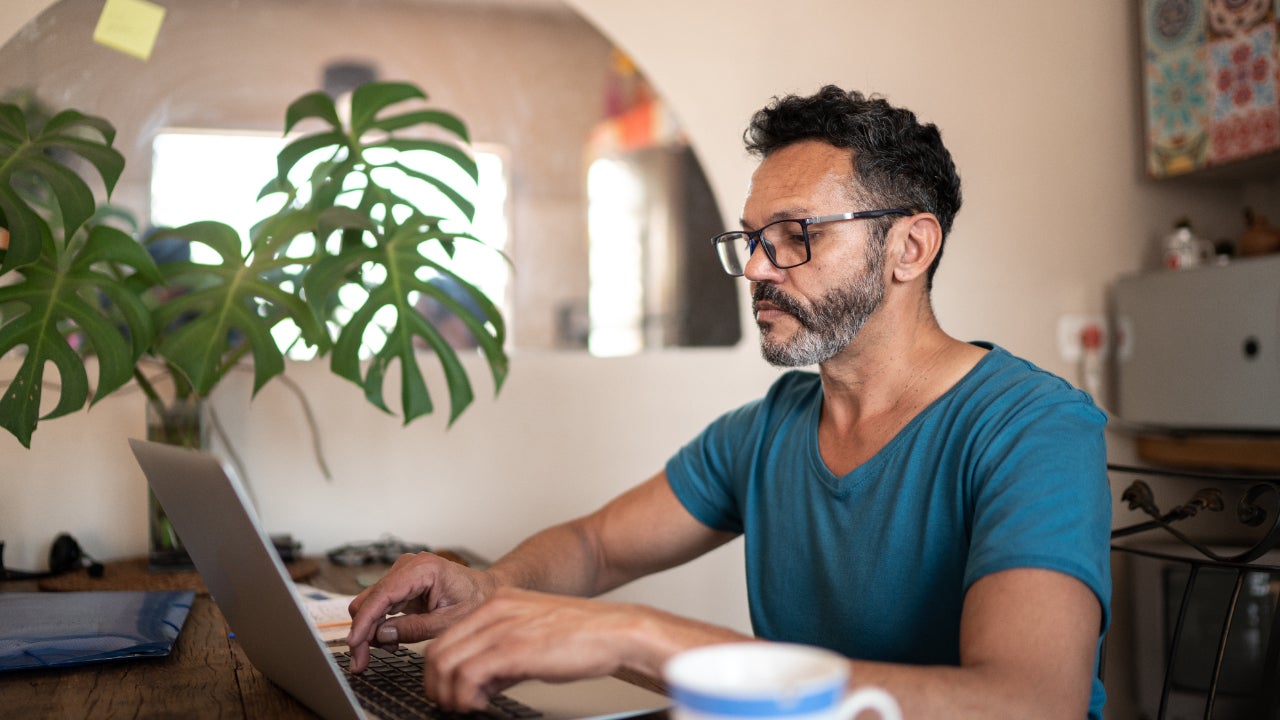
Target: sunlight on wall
(615,217)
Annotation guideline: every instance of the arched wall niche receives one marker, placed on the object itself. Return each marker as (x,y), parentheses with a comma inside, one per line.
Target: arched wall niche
(532,78)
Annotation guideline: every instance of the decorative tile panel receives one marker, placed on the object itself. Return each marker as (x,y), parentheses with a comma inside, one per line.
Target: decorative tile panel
(1210,78)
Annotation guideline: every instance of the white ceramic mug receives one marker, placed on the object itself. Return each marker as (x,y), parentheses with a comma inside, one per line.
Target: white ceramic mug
(768,681)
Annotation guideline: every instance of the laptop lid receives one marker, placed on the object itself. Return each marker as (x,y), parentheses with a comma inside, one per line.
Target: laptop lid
(212,514)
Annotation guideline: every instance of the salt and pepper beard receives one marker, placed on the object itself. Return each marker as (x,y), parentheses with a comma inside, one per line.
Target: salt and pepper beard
(831,324)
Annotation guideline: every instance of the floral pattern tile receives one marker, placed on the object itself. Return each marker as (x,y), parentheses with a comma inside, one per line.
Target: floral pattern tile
(1242,91)
(1173,24)
(1244,134)
(1178,112)
(1232,17)
(1242,72)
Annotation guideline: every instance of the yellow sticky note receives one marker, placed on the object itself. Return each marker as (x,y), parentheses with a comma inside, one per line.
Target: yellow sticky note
(130,26)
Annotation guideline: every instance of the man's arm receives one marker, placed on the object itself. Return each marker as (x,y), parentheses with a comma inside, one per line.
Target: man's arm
(1028,640)
(518,635)
(642,531)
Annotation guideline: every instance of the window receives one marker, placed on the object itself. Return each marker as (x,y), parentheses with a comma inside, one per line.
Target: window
(615,217)
(217,174)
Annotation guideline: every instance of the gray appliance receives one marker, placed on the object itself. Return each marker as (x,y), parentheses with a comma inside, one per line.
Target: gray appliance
(1199,349)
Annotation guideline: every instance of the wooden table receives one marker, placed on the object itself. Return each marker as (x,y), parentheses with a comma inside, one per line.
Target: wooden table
(206,676)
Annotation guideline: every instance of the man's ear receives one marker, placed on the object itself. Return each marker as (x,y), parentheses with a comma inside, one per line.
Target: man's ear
(919,243)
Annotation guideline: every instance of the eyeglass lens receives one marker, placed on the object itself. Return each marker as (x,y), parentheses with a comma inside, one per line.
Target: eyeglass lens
(783,241)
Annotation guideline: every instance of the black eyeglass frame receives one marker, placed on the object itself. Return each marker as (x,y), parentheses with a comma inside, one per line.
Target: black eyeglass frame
(756,237)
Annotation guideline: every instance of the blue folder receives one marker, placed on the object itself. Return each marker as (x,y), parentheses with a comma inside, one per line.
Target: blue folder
(59,629)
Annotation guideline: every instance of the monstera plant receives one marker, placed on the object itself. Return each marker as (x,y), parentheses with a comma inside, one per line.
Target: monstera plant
(76,281)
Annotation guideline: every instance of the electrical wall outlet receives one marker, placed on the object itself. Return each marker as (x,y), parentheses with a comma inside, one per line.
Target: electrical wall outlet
(1071,333)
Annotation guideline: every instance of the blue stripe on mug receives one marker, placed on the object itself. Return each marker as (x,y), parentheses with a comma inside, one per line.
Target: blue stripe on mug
(815,701)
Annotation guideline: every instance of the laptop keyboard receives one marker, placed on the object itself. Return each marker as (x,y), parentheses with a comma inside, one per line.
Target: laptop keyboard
(391,688)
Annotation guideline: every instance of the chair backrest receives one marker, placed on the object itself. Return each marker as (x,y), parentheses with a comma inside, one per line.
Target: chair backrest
(1205,582)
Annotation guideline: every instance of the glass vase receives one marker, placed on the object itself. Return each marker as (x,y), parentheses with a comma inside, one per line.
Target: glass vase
(179,422)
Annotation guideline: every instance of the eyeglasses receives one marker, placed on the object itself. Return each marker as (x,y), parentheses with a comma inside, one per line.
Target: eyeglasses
(785,242)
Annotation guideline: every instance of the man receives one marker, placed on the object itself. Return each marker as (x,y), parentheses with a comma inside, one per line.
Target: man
(936,510)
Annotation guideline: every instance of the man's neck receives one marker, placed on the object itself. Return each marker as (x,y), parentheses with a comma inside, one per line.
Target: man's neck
(891,372)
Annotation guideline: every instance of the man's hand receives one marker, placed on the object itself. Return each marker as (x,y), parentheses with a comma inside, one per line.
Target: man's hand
(520,634)
(433,592)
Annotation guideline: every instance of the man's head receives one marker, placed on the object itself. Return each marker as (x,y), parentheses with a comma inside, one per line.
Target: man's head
(844,182)
(897,162)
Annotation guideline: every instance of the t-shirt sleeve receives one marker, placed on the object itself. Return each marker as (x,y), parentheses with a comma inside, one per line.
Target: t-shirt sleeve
(712,475)
(1041,497)
(704,474)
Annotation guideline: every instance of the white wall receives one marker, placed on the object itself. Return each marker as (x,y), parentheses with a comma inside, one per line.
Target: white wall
(1039,102)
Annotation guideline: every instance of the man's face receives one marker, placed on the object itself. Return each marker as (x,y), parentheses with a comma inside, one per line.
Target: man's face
(808,314)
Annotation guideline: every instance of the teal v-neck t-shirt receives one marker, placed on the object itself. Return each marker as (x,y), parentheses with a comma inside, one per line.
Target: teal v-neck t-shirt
(1006,470)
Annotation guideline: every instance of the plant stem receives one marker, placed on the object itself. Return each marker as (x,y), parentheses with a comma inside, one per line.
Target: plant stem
(153,397)
(312,425)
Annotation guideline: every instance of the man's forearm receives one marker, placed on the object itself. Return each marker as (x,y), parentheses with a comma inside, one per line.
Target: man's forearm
(642,531)
(561,559)
(973,692)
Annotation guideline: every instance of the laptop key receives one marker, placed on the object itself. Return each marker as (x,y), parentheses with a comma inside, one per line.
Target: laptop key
(391,687)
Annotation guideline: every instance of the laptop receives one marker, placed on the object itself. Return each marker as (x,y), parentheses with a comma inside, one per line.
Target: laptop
(210,510)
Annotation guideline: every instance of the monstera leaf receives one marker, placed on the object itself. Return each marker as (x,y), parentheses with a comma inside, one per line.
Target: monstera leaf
(369,132)
(401,257)
(41,197)
(76,293)
(225,310)
(392,244)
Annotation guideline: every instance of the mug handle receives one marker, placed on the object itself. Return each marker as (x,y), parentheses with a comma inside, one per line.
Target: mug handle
(870,698)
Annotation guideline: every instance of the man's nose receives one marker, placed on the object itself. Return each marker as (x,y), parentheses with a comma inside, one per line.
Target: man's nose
(759,268)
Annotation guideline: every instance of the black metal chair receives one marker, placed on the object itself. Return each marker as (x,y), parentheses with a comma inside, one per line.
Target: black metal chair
(1206,584)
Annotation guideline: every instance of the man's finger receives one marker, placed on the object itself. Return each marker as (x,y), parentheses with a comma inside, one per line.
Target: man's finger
(413,628)
(469,684)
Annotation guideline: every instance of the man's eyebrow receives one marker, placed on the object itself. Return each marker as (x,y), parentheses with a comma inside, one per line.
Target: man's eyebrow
(793,213)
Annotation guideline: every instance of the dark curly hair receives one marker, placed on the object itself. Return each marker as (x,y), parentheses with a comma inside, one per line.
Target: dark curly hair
(897,161)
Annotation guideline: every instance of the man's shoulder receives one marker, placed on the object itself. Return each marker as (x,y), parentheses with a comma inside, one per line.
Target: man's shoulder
(1004,379)
(1000,365)
(793,391)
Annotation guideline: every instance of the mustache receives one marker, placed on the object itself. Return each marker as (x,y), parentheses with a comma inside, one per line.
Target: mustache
(765,292)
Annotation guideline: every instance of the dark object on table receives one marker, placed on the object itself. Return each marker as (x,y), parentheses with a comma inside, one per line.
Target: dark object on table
(381,551)
(64,556)
(45,630)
